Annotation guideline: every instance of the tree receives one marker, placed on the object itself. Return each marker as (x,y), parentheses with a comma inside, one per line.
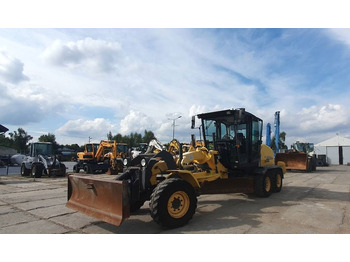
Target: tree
(20,140)
(133,139)
(50,138)
(75,147)
(281,143)
(109,136)
(5,141)
(148,136)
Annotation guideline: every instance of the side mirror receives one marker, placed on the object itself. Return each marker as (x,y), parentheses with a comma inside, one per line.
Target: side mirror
(193,122)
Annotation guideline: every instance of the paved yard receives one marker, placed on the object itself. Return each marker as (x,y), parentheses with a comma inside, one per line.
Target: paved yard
(317,202)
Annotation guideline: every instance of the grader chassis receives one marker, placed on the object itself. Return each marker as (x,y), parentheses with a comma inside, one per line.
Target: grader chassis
(233,160)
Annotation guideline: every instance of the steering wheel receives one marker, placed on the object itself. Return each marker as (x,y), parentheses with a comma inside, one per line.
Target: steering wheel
(228,136)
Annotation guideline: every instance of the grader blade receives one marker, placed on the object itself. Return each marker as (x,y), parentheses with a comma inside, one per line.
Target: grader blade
(297,160)
(104,199)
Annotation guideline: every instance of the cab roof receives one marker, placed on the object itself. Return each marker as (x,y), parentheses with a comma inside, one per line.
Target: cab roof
(229,115)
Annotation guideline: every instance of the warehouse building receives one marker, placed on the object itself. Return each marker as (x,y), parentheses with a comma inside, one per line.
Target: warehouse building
(336,149)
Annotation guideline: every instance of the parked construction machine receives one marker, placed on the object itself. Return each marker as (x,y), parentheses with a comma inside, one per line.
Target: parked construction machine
(101,158)
(42,161)
(232,160)
(141,148)
(301,157)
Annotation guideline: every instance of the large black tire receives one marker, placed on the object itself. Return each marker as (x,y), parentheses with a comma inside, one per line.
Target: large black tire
(314,164)
(37,170)
(63,169)
(277,181)
(76,168)
(24,171)
(173,203)
(88,169)
(263,185)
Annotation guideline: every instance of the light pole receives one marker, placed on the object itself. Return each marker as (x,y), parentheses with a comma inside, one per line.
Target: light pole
(174,119)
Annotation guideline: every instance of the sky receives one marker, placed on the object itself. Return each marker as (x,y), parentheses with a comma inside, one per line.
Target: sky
(81,83)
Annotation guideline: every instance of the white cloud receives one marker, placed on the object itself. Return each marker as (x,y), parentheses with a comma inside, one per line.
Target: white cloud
(25,104)
(11,69)
(97,129)
(95,55)
(156,73)
(323,118)
(136,122)
(341,34)
(315,123)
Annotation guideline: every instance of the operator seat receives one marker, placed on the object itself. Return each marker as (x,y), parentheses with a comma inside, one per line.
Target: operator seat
(241,141)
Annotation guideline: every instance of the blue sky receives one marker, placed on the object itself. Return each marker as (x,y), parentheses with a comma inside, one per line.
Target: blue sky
(78,83)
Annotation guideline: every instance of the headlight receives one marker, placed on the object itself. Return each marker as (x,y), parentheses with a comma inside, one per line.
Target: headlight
(143,162)
(125,162)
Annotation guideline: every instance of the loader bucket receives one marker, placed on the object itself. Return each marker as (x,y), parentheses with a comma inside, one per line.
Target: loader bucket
(297,161)
(104,199)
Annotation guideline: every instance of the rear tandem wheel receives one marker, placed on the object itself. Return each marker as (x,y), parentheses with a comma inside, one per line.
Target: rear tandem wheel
(277,181)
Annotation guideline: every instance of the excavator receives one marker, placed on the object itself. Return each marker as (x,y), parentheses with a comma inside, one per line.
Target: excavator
(107,156)
(232,160)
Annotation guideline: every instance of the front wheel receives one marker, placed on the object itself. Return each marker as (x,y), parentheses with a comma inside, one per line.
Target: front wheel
(173,203)
(37,170)
(87,169)
(24,170)
(263,185)
(76,168)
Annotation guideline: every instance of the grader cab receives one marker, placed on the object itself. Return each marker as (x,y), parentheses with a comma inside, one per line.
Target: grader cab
(232,160)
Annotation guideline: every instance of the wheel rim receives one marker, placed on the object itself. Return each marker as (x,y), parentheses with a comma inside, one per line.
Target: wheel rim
(278,180)
(178,204)
(33,171)
(267,184)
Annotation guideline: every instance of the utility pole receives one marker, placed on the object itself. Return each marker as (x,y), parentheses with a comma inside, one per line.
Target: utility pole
(174,119)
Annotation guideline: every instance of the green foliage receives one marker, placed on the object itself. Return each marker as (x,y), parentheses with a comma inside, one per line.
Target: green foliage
(75,147)
(148,136)
(5,141)
(133,139)
(50,138)
(19,140)
(281,143)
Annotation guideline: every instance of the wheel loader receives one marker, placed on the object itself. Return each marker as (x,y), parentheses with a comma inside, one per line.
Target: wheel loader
(42,161)
(233,160)
(107,156)
(301,157)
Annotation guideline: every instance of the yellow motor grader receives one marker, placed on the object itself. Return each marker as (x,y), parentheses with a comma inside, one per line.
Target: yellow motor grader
(232,160)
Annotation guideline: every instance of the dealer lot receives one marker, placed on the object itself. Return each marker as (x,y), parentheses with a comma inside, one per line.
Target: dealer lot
(317,202)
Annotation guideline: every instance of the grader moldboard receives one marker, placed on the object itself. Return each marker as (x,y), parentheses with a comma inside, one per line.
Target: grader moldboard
(233,160)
